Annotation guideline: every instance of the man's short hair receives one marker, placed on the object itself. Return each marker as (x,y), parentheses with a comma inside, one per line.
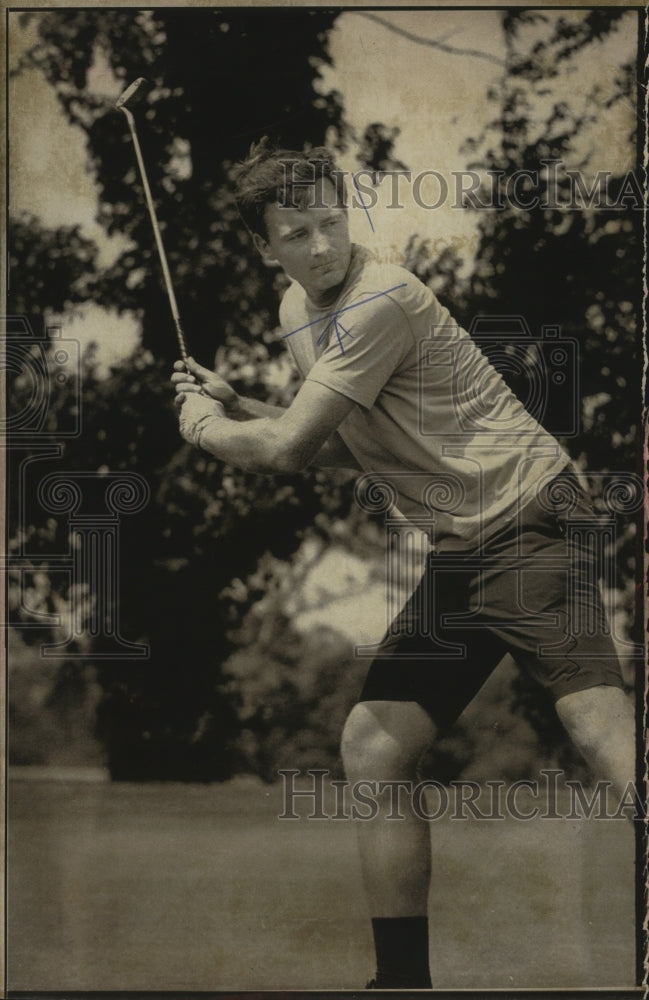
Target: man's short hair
(282,176)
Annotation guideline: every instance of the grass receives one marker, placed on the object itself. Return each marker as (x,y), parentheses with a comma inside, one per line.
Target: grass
(185,887)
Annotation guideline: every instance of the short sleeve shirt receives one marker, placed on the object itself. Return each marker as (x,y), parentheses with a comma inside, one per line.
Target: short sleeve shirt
(433,419)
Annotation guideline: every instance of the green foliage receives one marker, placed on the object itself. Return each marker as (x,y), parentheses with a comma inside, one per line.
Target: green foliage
(216,87)
(48,268)
(295,690)
(171,716)
(566,36)
(51,715)
(377,148)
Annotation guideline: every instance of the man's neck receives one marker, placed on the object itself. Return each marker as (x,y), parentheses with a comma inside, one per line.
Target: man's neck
(327,298)
(331,295)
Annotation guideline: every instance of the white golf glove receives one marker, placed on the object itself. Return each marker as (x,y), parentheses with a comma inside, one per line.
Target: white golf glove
(196,413)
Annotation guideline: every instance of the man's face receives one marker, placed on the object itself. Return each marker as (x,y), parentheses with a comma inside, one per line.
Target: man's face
(311,242)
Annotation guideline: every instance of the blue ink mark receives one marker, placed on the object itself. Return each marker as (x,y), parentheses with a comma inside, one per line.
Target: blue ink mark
(337,325)
(333,317)
(340,339)
(360,198)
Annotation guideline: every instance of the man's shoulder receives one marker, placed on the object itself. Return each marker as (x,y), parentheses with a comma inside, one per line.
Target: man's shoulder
(376,277)
(384,284)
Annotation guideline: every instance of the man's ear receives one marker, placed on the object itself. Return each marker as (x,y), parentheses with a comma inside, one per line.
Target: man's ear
(262,248)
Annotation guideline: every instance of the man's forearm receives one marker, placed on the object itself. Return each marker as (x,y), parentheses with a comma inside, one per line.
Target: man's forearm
(252,409)
(334,454)
(252,444)
(283,441)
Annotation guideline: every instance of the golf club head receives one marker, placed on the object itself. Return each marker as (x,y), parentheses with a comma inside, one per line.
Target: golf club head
(132,93)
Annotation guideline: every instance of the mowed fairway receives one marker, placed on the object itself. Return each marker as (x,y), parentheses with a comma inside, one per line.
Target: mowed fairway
(188,887)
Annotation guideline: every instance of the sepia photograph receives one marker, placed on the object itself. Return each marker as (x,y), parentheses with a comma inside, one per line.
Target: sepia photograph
(325,461)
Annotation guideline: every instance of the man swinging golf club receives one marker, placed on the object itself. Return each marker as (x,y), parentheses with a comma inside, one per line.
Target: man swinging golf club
(381,359)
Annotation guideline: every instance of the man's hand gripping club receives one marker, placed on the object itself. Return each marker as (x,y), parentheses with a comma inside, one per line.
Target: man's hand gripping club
(260,437)
(203,397)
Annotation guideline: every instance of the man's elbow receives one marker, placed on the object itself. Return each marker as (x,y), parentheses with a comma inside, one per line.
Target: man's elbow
(286,458)
(288,463)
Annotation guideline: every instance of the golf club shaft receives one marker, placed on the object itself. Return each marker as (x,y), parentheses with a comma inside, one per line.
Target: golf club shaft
(158,235)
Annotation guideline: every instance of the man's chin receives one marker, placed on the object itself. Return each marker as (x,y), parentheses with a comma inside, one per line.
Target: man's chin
(331,278)
(325,283)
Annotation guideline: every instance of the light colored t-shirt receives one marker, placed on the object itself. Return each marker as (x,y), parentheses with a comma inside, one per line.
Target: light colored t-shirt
(433,419)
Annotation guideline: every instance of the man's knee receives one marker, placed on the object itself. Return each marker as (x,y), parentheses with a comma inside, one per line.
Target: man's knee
(385,740)
(359,742)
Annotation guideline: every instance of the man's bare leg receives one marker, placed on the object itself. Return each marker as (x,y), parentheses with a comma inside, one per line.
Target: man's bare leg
(600,722)
(384,741)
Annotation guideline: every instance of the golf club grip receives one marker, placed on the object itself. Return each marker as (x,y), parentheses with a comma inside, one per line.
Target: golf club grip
(158,236)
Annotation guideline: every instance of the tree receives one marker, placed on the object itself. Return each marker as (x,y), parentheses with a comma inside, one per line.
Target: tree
(567,262)
(216,87)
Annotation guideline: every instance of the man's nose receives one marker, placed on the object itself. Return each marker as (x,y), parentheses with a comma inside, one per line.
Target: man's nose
(319,244)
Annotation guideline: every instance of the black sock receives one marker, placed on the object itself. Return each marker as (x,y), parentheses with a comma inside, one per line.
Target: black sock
(401,945)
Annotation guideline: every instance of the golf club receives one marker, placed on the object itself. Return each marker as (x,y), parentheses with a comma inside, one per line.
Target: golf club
(122,104)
